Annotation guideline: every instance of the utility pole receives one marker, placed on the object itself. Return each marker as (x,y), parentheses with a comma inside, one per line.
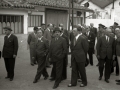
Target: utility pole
(72,13)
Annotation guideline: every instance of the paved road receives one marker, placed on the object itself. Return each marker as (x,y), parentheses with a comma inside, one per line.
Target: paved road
(25,73)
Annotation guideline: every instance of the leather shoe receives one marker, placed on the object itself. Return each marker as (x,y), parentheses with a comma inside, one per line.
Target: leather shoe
(48,66)
(11,79)
(7,77)
(118,83)
(117,80)
(32,64)
(52,79)
(107,81)
(55,86)
(70,85)
(35,81)
(100,78)
(45,78)
(83,85)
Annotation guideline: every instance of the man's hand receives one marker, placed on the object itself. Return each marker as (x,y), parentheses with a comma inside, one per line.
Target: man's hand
(88,40)
(14,56)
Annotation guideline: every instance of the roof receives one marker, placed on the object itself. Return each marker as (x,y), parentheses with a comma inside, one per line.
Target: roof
(30,4)
(101,3)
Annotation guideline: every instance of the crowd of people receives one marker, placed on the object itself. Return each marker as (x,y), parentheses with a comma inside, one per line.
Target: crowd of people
(50,46)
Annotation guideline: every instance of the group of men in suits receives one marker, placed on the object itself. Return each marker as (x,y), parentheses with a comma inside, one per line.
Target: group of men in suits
(51,46)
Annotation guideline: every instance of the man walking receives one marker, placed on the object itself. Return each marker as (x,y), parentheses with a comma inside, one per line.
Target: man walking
(41,51)
(9,52)
(105,51)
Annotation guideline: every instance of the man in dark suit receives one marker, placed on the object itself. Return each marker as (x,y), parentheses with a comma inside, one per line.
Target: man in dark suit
(105,51)
(41,51)
(93,29)
(91,40)
(9,52)
(65,60)
(48,34)
(32,37)
(79,49)
(58,50)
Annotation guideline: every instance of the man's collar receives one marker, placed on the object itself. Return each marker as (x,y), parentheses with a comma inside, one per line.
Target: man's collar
(61,34)
(9,35)
(40,38)
(78,36)
(48,29)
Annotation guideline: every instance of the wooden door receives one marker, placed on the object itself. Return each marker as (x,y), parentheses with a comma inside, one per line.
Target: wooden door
(56,17)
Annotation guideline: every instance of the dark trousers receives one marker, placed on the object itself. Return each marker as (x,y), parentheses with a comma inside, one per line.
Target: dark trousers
(117,67)
(10,64)
(41,68)
(90,53)
(107,66)
(53,73)
(64,73)
(58,67)
(76,66)
(47,60)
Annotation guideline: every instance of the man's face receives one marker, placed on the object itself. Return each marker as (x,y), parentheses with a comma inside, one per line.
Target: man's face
(57,33)
(7,32)
(75,32)
(39,33)
(91,24)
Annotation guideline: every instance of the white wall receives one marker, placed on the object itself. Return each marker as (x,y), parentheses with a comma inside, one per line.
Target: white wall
(17,12)
(116,11)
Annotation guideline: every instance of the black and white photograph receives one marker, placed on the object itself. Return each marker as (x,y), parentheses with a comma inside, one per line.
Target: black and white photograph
(59,44)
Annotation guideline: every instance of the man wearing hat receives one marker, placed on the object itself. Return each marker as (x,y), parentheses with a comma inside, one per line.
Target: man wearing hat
(58,50)
(105,54)
(32,37)
(9,52)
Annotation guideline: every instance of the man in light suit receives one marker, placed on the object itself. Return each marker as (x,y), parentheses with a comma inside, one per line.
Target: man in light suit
(79,49)
(9,52)
(48,34)
(31,42)
(41,51)
(105,53)
(58,50)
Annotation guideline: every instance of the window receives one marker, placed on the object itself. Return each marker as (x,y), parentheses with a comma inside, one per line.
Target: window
(34,20)
(14,21)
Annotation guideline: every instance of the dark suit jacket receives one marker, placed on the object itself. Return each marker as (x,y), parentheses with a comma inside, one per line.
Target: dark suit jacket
(67,40)
(10,46)
(31,40)
(79,51)
(105,48)
(91,38)
(42,47)
(48,35)
(58,49)
(94,30)
(118,47)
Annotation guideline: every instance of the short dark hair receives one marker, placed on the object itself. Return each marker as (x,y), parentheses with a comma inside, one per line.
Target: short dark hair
(78,28)
(115,23)
(35,28)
